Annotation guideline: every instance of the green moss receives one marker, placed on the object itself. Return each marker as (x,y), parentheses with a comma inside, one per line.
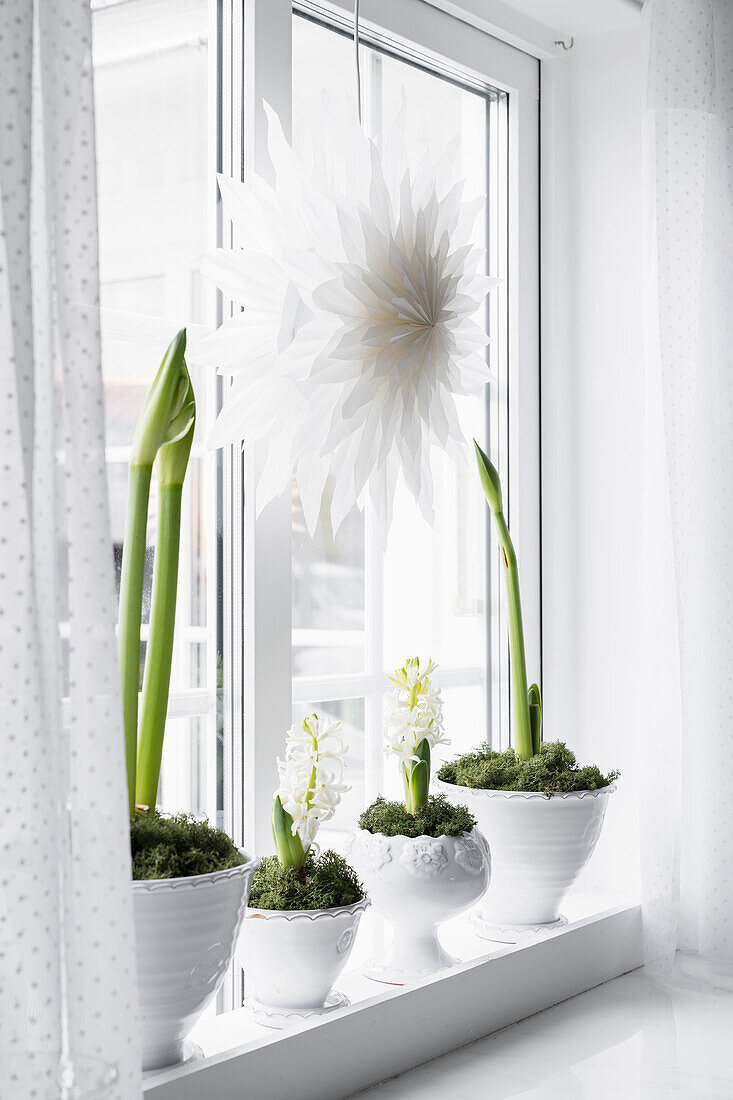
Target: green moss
(324,882)
(437,818)
(553,770)
(178,846)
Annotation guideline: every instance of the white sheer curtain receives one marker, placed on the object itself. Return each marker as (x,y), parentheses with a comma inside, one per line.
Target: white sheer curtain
(687,826)
(68,1001)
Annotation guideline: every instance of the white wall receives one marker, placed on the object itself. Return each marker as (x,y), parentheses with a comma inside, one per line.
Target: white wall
(593,412)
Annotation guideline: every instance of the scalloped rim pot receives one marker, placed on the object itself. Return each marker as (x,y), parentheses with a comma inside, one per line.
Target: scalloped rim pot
(539,845)
(186,931)
(291,960)
(417,883)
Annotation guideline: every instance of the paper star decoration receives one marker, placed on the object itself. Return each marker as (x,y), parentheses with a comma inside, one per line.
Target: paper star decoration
(361,317)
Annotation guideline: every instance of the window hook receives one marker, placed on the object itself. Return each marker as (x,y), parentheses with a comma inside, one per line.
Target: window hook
(559,42)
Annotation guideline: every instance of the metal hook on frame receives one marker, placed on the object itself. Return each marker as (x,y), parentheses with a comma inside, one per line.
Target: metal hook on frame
(559,42)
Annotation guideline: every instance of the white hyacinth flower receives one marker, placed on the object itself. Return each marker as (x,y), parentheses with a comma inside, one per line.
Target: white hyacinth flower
(311,775)
(362,317)
(413,712)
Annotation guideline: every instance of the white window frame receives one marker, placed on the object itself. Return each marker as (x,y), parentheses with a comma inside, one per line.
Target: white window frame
(254,47)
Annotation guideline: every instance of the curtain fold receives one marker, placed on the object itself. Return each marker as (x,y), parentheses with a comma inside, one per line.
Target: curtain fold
(687,816)
(68,999)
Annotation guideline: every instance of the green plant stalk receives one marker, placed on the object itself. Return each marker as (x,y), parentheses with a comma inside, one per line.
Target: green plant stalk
(416,779)
(131,600)
(535,716)
(525,736)
(289,847)
(159,655)
(163,418)
(416,775)
(522,726)
(170,468)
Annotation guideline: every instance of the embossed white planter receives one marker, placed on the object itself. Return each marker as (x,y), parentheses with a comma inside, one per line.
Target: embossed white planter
(292,959)
(417,884)
(186,930)
(539,846)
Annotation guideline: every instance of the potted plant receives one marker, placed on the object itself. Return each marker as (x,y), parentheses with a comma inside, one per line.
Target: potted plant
(541,813)
(190,882)
(423,860)
(304,907)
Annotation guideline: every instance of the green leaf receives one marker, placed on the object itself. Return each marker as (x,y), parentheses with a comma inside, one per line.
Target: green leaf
(289,848)
(489,479)
(422,752)
(172,459)
(419,786)
(535,716)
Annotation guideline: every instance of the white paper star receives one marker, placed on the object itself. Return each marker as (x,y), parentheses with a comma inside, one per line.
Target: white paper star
(361,304)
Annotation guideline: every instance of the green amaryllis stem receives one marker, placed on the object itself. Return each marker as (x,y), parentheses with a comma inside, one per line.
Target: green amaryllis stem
(522,722)
(170,468)
(159,422)
(289,847)
(131,599)
(159,654)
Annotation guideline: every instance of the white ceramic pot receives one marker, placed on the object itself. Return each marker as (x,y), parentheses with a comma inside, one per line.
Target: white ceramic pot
(186,930)
(539,845)
(291,960)
(417,884)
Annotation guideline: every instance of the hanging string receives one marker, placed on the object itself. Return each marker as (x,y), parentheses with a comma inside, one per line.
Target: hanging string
(356,52)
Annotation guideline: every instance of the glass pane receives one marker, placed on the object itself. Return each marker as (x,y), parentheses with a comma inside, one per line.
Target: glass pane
(150,68)
(435,578)
(448,560)
(184,772)
(328,594)
(431,597)
(328,572)
(350,713)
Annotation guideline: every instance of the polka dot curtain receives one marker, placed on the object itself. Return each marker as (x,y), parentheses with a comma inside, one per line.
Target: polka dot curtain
(67,959)
(688,805)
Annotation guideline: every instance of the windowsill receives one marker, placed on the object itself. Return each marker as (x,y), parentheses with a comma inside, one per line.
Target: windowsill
(387,1030)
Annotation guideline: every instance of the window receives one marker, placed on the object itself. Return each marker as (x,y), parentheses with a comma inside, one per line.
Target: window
(272,624)
(322,619)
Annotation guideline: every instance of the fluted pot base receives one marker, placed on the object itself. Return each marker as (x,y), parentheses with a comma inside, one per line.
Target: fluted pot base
(417,883)
(408,960)
(501,932)
(279,1018)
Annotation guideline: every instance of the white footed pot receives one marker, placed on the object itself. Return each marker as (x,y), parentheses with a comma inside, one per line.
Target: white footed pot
(186,930)
(539,845)
(417,884)
(291,960)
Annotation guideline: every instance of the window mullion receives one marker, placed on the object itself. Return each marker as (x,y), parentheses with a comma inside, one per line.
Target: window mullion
(267,550)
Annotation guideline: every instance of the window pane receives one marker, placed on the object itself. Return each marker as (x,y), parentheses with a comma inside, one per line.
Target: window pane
(328,572)
(328,595)
(427,593)
(184,774)
(150,69)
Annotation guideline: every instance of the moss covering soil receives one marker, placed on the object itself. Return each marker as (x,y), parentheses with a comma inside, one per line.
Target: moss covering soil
(553,770)
(178,846)
(324,882)
(437,818)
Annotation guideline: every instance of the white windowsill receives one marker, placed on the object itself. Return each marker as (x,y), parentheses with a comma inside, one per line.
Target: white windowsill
(387,1030)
